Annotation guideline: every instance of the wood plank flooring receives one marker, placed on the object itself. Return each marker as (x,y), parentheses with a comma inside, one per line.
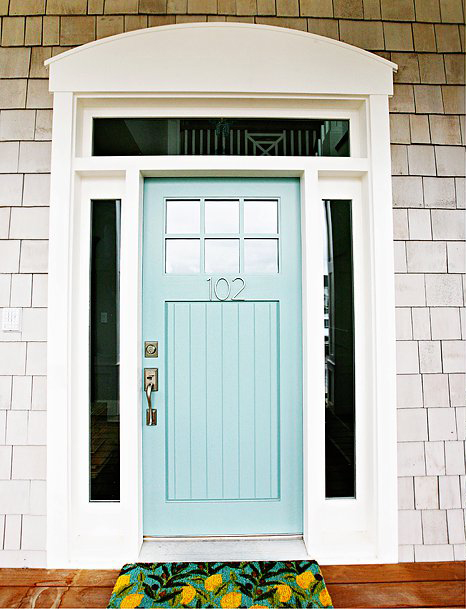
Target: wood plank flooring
(413,585)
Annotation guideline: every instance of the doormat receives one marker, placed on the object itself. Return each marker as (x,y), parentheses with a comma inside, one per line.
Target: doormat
(259,584)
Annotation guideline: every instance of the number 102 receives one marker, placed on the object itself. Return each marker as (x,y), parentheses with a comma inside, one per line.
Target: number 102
(218,291)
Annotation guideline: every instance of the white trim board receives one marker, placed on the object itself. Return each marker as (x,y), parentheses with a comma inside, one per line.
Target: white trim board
(105,535)
(253,59)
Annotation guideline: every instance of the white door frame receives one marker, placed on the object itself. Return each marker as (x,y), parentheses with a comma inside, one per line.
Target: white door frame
(104,534)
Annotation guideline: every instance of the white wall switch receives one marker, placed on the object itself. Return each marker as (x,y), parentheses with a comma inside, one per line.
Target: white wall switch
(11,319)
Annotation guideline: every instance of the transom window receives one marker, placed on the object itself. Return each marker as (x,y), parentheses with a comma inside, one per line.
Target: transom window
(221,236)
(220,136)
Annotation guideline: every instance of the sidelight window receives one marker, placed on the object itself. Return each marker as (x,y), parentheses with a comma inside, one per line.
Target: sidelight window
(104,352)
(340,470)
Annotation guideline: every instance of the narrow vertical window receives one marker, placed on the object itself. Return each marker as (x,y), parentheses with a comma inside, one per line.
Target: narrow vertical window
(104,352)
(340,473)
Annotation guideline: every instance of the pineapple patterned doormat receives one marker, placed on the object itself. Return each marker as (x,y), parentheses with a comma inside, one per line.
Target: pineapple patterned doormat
(221,584)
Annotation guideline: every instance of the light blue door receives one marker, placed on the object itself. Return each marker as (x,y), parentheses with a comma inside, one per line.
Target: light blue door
(222,296)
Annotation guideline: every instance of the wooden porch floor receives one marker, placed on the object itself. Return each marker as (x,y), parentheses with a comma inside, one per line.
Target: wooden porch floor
(415,585)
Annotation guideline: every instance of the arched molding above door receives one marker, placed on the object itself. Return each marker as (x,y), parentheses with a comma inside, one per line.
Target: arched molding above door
(221,58)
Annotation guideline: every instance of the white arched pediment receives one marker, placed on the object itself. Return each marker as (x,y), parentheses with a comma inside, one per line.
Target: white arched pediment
(220,58)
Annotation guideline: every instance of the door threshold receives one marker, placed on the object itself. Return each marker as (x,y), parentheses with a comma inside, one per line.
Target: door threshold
(217,549)
(221,537)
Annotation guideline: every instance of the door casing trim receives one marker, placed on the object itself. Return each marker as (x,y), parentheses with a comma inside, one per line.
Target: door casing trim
(107,534)
(104,534)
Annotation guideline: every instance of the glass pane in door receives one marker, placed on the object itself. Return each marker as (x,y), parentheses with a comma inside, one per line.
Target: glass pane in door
(182,256)
(260,216)
(261,255)
(221,216)
(222,255)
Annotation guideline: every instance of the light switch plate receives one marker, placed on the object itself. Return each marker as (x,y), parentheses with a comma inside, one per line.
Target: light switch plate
(11,319)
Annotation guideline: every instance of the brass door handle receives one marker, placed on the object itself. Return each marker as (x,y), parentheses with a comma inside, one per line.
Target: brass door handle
(150,385)
(149,394)
(151,413)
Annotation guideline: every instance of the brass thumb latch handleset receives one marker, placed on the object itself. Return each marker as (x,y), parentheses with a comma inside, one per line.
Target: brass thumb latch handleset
(151,381)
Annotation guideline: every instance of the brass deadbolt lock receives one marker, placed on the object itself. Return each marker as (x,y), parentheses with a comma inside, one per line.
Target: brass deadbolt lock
(151,348)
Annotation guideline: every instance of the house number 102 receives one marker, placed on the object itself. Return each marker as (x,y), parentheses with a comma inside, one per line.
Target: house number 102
(225,291)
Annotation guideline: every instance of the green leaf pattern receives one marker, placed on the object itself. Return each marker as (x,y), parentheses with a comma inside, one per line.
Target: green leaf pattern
(227,585)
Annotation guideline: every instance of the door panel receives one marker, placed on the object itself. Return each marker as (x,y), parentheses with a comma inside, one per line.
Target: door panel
(223,403)
(226,455)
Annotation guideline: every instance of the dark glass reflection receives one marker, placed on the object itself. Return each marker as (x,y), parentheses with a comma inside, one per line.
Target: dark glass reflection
(104,349)
(220,136)
(339,352)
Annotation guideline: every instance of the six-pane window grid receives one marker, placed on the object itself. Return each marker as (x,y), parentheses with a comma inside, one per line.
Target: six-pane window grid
(222,236)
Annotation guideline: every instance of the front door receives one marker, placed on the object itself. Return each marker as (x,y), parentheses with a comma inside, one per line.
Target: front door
(222,296)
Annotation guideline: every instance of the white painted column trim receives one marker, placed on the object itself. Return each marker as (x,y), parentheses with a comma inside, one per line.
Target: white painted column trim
(59,344)
(383,277)
(131,362)
(313,350)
